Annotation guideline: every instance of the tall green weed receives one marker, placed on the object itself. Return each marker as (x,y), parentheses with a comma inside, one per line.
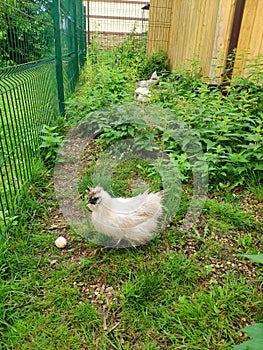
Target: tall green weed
(229,125)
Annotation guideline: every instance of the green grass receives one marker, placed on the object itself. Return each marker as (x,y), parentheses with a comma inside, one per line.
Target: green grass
(183,290)
(191,290)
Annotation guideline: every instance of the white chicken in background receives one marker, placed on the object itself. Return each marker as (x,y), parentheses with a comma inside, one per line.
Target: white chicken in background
(134,219)
(145,83)
(142,93)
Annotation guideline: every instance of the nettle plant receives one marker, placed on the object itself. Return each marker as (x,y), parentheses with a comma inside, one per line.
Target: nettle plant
(229,129)
(229,125)
(143,135)
(51,141)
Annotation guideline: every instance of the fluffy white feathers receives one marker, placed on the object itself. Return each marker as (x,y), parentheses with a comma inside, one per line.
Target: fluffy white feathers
(142,93)
(153,79)
(131,219)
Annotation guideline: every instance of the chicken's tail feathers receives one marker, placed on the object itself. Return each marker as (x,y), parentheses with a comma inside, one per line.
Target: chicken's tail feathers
(159,194)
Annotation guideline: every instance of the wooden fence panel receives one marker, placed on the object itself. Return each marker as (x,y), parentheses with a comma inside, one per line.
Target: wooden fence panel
(224,23)
(159,25)
(200,30)
(250,43)
(192,33)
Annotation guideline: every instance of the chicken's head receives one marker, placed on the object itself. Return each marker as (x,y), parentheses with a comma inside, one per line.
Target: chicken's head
(94,197)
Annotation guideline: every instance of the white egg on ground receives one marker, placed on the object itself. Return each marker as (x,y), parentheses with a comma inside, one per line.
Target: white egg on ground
(61,242)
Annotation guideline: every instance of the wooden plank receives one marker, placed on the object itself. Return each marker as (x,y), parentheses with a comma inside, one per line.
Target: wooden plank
(250,44)
(181,34)
(159,25)
(192,31)
(204,45)
(199,16)
(224,23)
(201,29)
(247,25)
(256,43)
(175,38)
(194,17)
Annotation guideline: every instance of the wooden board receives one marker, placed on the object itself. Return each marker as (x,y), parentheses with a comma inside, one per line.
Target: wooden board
(250,43)
(224,23)
(197,33)
(159,25)
(193,25)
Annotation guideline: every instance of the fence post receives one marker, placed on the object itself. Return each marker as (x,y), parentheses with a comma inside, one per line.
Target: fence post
(75,38)
(58,53)
(84,35)
(87,18)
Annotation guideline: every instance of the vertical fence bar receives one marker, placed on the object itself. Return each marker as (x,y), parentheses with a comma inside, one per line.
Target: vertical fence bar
(75,39)
(84,31)
(58,53)
(87,18)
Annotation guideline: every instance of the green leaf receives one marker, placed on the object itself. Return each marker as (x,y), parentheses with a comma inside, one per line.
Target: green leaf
(255,257)
(259,167)
(255,331)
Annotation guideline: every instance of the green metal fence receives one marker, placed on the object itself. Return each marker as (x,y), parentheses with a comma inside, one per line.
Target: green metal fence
(42,49)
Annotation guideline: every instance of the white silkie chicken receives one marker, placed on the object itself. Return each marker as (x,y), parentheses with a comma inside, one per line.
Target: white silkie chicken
(142,93)
(134,220)
(145,83)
